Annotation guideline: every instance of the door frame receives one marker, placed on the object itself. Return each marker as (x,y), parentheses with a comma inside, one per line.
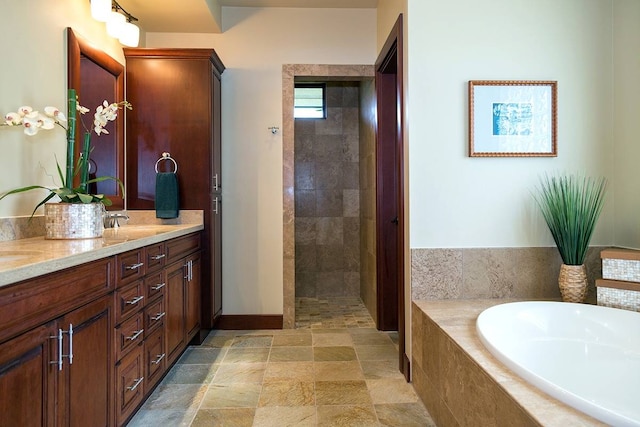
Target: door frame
(389,89)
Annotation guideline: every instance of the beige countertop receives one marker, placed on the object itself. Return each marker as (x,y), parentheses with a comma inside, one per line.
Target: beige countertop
(28,258)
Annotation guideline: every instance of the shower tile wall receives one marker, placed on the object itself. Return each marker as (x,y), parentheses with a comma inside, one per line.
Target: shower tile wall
(327,197)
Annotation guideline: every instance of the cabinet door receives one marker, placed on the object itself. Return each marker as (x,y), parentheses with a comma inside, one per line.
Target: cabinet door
(27,378)
(85,382)
(192,297)
(216,262)
(175,309)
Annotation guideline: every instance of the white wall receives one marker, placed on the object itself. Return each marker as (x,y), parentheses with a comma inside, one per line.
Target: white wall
(457,201)
(626,46)
(34,72)
(254,45)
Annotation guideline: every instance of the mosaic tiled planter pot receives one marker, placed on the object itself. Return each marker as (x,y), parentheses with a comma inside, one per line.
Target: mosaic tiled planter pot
(73,220)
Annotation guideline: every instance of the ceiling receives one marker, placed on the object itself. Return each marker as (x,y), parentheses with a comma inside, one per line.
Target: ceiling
(194,16)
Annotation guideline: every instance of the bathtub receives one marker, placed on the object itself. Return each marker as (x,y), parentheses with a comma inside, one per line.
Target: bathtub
(583,355)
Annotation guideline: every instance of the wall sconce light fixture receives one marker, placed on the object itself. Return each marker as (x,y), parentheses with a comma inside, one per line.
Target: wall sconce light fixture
(119,22)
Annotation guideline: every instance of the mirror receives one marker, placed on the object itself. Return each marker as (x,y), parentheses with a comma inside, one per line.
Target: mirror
(96,77)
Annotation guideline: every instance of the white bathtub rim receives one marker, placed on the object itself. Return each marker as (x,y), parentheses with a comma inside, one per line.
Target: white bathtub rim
(595,410)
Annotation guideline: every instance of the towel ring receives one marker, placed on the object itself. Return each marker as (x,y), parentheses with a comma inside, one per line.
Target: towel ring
(167,156)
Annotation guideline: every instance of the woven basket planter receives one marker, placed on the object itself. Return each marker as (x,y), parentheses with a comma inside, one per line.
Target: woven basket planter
(573,283)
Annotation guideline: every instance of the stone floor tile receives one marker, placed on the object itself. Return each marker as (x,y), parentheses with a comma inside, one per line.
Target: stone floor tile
(217,341)
(338,371)
(234,373)
(404,414)
(332,340)
(298,371)
(202,355)
(191,374)
(377,352)
(347,416)
(291,354)
(390,390)
(252,341)
(159,417)
(246,355)
(227,417)
(292,340)
(333,354)
(373,338)
(275,416)
(176,397)
(242,395)
(375,369)
(342,393)
(287,393)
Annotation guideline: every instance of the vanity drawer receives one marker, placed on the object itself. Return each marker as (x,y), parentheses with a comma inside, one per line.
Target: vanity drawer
(129,384)
(130,266)
(156,256)
(154,315)
(155,284)
(154,359)
(129,299)
(129,335)
(181,246)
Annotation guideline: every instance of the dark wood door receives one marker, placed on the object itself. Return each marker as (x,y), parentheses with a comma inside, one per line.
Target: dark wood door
(86,382)
(175,317)
(390,227)
(28,378)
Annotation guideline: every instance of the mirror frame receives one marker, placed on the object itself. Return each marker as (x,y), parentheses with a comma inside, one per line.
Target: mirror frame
(76,48)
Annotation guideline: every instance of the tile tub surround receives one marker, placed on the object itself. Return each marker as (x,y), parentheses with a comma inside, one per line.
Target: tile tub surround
(468,273)
(462,384)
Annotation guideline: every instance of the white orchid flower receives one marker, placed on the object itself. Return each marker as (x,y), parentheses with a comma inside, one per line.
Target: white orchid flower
(31,125)
(13,119)
(46,122)
(81,109)
(55,113)
(25,110)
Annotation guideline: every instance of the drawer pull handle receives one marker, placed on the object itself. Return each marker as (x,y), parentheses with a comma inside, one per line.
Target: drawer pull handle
(159,359)
(158,286)
(157,257)
(135,335)
(134,266)
(135,300)
(158,316)
(136,384)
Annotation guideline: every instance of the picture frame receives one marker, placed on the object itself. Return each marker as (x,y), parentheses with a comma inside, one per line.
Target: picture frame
(513,118)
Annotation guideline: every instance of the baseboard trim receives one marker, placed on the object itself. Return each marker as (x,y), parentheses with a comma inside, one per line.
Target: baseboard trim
(406,366)
(249,321)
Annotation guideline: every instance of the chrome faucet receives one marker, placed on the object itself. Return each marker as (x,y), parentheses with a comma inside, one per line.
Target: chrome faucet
(111,219)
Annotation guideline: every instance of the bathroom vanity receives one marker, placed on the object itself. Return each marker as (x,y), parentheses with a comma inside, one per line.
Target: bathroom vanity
(89,327)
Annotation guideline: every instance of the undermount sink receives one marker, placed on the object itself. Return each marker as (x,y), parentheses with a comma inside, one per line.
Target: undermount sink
(17,255)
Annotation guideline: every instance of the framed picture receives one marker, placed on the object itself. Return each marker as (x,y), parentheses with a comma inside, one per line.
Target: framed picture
(512,118)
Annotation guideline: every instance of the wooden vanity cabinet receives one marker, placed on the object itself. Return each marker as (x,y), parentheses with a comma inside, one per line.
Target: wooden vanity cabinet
(39,387)
(126,313)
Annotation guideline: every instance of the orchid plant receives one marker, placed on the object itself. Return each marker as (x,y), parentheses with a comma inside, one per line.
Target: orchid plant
(33,121)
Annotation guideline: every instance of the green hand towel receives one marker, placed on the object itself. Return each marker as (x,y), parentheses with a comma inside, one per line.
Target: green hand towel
(167,199)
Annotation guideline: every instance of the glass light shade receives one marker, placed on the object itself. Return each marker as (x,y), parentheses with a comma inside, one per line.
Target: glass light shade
(130,35)
(115,23)
(100,10)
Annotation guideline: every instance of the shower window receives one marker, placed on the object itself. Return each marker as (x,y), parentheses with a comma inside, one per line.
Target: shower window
(310,101)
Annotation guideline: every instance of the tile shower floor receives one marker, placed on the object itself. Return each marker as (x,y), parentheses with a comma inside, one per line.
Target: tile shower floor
(338,371)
